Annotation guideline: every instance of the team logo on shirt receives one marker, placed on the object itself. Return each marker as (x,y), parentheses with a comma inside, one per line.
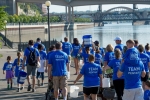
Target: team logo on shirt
(133,56)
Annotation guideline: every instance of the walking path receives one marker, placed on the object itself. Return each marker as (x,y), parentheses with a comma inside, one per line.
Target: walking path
(24,95)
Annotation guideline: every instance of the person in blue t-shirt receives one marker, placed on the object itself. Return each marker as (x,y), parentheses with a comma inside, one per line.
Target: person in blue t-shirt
(51,50)
(8,67)
(132,76)
(67,48)
(98,57)
(147,90)
(118,41)
(76,47)
(92,78)
(85,56)
(30,68)
(136,43)
(147,49)
(18,67)
(58,66)
(109,54)
(41,69)
(132,54)
(146,61)
(38,41)
(117,82)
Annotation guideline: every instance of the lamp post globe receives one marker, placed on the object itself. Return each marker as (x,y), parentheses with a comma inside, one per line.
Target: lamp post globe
(5,21)
(48,3)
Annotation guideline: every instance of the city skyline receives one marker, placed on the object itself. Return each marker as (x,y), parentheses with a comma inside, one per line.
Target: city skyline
(54,8)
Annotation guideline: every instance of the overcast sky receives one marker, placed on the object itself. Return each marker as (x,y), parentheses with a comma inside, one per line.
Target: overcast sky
(55,8)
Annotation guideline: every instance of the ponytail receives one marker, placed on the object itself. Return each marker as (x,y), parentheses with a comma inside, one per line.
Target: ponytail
(147,46)
(19,55)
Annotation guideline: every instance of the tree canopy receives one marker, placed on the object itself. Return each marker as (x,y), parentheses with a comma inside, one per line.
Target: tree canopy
(3,17)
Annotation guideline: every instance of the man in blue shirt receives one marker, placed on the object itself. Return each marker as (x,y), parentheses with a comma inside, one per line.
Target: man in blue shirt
(118,41)
(58,61)
(132,76)
(67,48)
(30,68)
(38,41)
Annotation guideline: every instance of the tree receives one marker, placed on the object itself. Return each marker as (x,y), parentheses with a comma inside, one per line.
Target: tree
(3,17)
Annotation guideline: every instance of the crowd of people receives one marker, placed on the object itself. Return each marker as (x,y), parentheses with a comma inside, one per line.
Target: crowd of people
(130,65)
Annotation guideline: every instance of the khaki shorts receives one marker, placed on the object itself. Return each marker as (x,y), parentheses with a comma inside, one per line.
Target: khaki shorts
(69,58)
(59,82)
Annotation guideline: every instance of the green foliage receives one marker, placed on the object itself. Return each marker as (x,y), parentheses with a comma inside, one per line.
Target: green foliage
(3,17)
(82,20)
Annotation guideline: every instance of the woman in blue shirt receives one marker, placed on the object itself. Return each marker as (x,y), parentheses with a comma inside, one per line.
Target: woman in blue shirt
(86,55)
(146,61)
(147,49)
(117,82)
(76,47)
(109,54)
(92,78)
(98,57)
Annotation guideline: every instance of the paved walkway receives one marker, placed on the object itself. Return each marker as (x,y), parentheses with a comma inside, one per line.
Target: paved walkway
(24,95)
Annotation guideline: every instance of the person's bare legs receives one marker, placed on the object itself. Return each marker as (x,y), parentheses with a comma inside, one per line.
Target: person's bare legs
(78,66)
(94,96)
(56,94)
(75,63)
(33,82)
(64,92)
(86,97)
(28,79)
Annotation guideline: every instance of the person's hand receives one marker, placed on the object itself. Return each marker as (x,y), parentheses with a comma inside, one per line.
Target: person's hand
(22,67)
(100,85)
(3,72)
(46,70)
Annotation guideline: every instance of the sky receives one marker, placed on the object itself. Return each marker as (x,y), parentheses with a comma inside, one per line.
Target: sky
(54,8)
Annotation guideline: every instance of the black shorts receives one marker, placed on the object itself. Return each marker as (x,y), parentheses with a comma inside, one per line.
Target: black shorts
(90,90)
(144,79)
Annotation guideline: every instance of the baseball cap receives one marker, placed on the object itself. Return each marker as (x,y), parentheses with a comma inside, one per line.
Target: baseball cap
(117,38)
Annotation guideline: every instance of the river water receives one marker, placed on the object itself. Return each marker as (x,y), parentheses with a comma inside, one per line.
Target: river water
(105,35)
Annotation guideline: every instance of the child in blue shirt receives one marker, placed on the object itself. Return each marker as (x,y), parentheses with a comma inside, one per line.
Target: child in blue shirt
(147,90)
(147,49)
(86,55)
(18,67)
(98,57)
(8,67)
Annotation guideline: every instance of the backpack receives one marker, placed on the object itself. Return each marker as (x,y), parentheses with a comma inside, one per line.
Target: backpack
(32,61)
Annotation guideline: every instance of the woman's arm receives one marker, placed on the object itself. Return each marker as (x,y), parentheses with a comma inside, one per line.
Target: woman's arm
(78,77)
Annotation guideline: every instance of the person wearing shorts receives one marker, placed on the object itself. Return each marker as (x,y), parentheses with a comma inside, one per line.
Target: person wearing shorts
(30,69)
(132,76)
(92,78)
(58,61)
(67,48)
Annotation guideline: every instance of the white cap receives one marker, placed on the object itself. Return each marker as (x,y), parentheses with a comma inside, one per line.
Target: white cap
(117,38)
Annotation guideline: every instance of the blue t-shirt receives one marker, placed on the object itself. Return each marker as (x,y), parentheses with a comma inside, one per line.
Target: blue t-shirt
(67,47)
(18,68)
(119,46)
(85,57)
(148,53)
(59,60)
(91,50)
(147,95)
(91,73)
(131,56)
(98,58)
(145,59)
(76,49)
(36,46)
(102,52)
(132,75)
(8,66)
(115,65)
(43,55)
(109,56)
(48,55)
(27,52)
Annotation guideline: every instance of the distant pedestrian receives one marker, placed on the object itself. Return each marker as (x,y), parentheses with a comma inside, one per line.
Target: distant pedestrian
(76,47)
(58,61)
(41,69)
(38,41)
(18,67)
(147,91)
(146,61)
(8,67)
(92,78)
(31,57)
(119,45)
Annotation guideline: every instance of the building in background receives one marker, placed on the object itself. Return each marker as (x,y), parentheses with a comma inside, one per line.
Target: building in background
(11,6)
